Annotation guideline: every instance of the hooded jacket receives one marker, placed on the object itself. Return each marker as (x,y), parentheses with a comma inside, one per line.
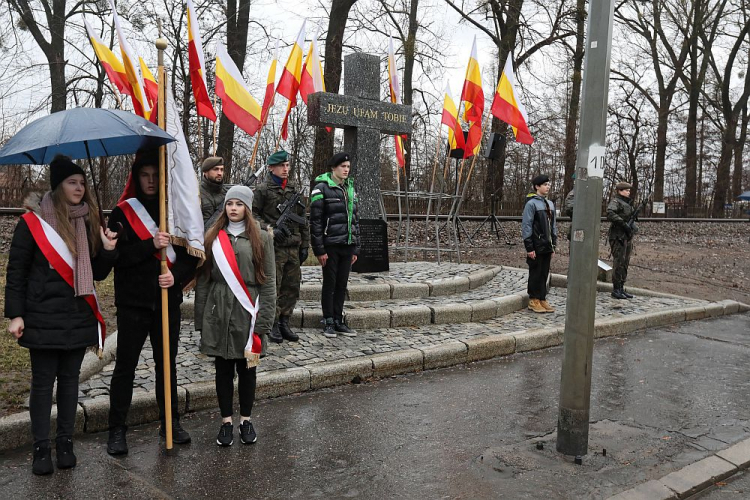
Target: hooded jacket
(334,217)
(539,226)
(136,269)
(54,318)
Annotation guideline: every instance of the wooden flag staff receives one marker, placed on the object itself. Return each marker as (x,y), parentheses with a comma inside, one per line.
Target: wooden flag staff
(161,45)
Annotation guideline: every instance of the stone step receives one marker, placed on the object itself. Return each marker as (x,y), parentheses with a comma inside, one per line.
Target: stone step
(404,281)
(448,310)
(503,293)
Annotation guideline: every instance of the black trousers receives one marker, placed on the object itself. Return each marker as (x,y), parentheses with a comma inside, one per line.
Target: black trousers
(133,326)
(538,273)
(335,279)
(225,369)
(46,366)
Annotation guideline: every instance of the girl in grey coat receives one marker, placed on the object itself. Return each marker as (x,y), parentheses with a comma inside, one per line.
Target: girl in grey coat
(223,322)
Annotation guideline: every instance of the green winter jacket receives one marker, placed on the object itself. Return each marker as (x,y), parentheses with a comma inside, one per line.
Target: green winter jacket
(224,324)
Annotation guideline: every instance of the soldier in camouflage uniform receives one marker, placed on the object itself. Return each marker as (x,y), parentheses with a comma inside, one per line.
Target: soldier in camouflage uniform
(291,242)
(619,212)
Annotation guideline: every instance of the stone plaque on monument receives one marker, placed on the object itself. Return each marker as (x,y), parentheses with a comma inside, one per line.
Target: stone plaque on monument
(373,251)
(363,117)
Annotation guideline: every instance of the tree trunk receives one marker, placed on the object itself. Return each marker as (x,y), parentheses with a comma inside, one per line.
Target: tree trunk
(575,98)
(721,188)
(334,45)
(238,16)
(508,32)
(409,50)
(739,147)
(661,147)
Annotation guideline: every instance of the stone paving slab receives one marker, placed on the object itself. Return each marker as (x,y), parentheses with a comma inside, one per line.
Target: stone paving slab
(314,348)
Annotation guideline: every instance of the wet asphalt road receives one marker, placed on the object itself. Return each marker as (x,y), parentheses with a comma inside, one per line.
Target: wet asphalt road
(661,400)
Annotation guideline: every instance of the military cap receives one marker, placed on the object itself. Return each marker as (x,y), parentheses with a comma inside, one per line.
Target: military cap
(211,162)
(539,180)
(623,185)
(278,157)
(338,159)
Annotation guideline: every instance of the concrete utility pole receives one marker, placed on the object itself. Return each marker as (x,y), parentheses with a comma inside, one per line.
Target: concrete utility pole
(575,383)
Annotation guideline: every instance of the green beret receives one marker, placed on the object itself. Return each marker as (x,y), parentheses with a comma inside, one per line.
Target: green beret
(278,157)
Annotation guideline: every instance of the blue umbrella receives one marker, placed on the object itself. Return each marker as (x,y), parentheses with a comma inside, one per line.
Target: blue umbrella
(82,133)
(744,196)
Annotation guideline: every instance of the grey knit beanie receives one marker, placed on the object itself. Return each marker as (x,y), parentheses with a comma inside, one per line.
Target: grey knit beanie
(242,193)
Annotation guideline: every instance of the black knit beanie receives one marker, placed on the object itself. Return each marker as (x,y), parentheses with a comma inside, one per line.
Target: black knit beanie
(60,168)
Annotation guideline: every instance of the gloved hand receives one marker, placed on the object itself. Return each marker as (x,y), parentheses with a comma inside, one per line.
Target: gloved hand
(303,253)
(280,234)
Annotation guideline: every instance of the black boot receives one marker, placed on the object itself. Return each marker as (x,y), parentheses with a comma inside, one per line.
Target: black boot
(286,332)
(117,444)
(275,335)
(626,294)
(344,330)
(42,460)
(328,329)
(66,459)
(617,293)
(179,435)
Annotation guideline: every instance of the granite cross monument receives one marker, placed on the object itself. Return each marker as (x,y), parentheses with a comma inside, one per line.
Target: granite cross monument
(363,116)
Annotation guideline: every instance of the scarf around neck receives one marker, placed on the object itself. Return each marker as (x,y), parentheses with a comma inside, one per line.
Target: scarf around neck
(83,275)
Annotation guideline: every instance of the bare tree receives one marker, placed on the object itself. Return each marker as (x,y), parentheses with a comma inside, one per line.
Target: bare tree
(730,112)
(238,18)
(657,26)
(338,17)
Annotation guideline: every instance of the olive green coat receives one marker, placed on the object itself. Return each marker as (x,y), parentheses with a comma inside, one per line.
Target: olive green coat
(268,196)
(212,197)
(224,324)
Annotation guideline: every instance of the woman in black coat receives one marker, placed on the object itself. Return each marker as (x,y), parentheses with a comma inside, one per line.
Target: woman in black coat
(58,250)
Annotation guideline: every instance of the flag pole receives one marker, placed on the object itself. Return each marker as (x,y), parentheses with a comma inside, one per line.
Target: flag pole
(215,123)
(434,168)
(161,45)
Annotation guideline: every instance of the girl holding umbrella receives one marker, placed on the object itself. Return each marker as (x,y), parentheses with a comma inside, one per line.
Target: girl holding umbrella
(58,250)
(235,304)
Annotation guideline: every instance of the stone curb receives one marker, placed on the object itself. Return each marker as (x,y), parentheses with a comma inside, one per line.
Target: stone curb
(692,478)
(14,429)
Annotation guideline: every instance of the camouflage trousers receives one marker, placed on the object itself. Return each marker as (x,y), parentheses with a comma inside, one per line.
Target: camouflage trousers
(288,278)
(621,250)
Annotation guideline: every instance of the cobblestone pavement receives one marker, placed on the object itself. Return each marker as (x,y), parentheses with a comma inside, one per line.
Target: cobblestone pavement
(314,348)
(401,272)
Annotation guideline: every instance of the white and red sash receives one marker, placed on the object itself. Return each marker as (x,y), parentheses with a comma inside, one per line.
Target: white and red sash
(143,225)
(226,261)
(58,254)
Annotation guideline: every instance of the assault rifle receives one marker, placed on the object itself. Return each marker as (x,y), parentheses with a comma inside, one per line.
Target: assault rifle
(249,182)
(286,210)
(634,216)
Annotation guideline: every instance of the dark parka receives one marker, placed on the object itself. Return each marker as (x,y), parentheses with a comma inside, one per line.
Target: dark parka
(137,270)
(538,226)
(267,197)
(619,212)
(223,322)
(54,318)
(212,197)
(334,216)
